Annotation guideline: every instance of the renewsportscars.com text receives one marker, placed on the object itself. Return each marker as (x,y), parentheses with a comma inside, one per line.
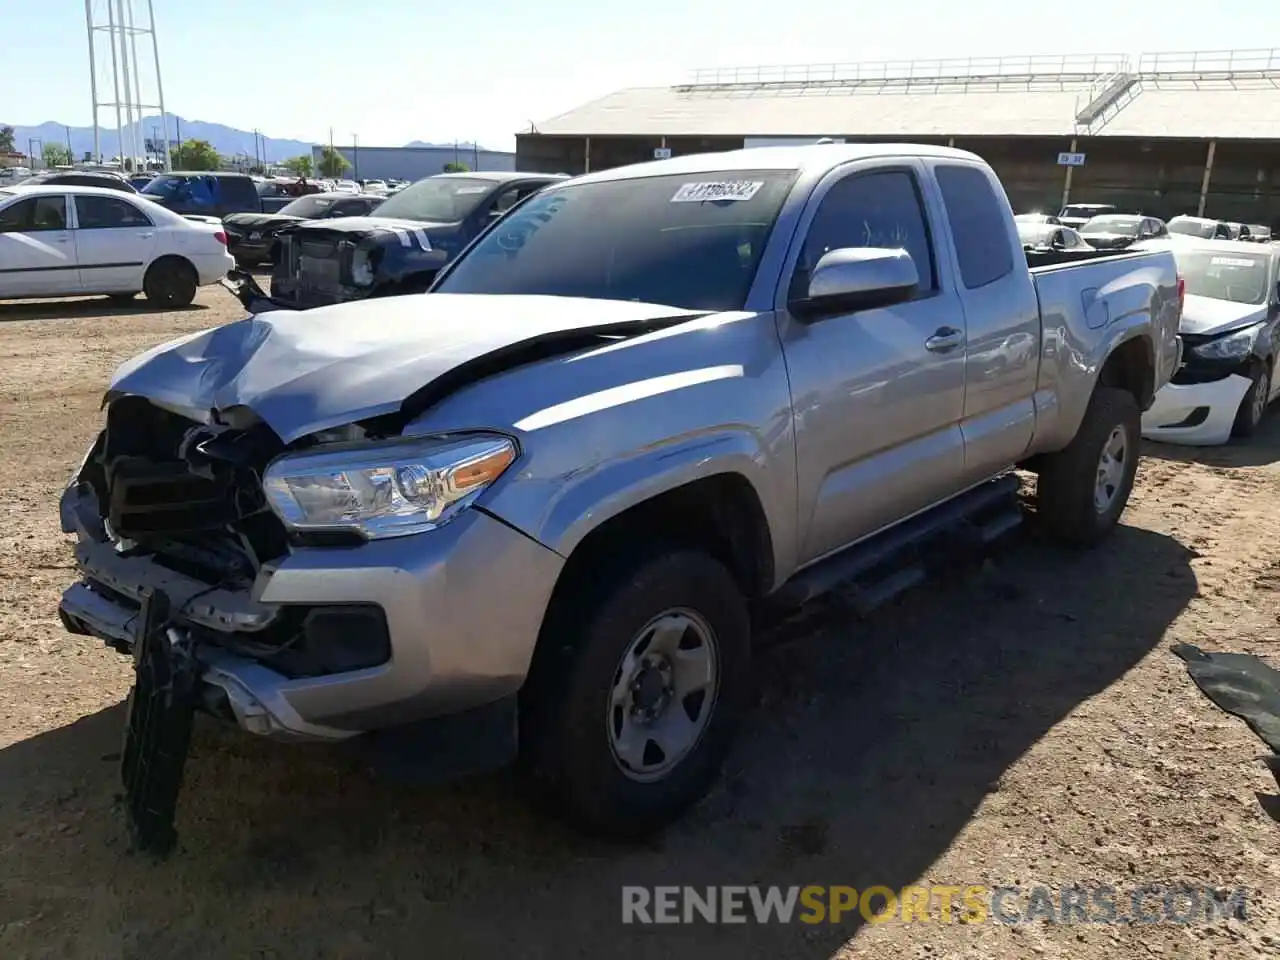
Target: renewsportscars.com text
(814,904)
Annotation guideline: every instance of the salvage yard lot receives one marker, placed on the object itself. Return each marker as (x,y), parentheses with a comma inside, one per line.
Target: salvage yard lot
(1022,724)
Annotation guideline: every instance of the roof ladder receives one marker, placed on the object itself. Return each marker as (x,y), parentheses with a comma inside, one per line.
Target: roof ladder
(1103,93)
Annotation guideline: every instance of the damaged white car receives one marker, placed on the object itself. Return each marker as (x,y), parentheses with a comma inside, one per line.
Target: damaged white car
(1227,378)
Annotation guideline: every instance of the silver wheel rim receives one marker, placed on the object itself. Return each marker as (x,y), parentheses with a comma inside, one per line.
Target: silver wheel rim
(1260,392)
(1111,467)
(663,693)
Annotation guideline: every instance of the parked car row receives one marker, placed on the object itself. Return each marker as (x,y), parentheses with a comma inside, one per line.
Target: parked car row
(1101,219)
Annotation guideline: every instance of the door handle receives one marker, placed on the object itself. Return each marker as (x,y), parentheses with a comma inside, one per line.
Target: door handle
(146,234)
(945,339)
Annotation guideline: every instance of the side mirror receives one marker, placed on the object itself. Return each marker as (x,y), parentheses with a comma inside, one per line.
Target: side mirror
(857,278)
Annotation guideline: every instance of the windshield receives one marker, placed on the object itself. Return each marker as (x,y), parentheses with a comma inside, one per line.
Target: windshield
(313,206)
(683,240)
(1084,212)
(438,199)
(1238,277)
(1125,226)
(1192,228)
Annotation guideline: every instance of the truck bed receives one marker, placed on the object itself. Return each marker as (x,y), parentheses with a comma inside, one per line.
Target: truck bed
(1041,259)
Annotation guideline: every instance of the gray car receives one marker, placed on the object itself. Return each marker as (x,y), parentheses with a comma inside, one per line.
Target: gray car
(529,511)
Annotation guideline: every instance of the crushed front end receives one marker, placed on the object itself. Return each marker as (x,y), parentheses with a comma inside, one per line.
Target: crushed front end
(300,634)
(1199,405)
(163,503)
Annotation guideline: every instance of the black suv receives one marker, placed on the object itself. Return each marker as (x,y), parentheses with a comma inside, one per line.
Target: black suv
(203,193)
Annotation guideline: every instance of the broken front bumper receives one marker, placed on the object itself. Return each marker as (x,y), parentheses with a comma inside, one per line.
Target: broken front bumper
(462,607)
(1195,414)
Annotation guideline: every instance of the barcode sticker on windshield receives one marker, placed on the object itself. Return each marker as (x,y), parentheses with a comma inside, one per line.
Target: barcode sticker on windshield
(1232,262)
(717,190)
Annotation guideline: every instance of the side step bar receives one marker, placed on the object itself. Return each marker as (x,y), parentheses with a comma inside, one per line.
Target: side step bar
(875,571)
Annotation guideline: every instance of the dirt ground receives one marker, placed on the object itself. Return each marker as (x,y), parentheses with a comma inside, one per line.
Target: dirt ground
(1021,724)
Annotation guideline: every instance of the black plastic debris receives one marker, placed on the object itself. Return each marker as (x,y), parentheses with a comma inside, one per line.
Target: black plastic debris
(157,733)
(1244,686)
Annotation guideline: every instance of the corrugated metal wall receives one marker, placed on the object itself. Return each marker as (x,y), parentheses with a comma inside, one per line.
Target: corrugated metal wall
(1159,177)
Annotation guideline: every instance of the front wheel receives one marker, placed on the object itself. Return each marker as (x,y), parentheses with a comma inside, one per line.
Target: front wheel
(646,675)
(1253,407)
(1084,488)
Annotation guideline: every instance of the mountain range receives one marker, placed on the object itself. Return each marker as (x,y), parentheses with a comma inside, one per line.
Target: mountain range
(228,141)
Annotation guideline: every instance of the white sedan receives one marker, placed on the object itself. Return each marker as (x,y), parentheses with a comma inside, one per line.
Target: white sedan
(1230,342)
(74,241)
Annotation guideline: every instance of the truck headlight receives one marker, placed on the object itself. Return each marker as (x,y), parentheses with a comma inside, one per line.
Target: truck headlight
(1234,346)
(382,490)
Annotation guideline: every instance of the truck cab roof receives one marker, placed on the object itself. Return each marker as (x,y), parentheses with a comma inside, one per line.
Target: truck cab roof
(807,158)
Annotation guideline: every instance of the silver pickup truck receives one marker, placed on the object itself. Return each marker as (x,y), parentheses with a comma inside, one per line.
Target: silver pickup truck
(527,514)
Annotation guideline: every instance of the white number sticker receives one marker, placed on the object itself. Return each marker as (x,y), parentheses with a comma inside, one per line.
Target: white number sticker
(463,191)
(1232,262)
(717,190)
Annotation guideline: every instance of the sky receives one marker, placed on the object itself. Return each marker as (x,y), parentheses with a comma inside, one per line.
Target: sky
(391,71)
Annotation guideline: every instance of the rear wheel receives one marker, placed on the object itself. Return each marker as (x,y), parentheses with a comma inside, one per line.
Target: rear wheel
(1254,405)
(635,700)
(1084,488)
(170,283)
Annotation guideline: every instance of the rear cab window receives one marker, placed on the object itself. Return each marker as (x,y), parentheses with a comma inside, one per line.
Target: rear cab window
(238,192)
(978,226)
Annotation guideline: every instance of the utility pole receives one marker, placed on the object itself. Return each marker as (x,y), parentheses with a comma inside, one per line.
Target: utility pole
(31,150)
(67,131)
(355,156)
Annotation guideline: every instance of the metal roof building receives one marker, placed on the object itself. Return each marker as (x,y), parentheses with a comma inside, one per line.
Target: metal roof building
(413,163)
(1166,133)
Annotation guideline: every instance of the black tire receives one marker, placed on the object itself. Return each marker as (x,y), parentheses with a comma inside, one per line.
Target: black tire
(170,283)
(1249,416)
(1065,492)
(566,744)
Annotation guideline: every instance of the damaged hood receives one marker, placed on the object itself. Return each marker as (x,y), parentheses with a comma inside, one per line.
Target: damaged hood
(1205,316)
(312,370)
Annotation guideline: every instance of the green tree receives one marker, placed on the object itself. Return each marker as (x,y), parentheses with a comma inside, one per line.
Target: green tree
(332,163)
(456,167)
(195,155)
(6,139)
(300,166)
(55,155)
